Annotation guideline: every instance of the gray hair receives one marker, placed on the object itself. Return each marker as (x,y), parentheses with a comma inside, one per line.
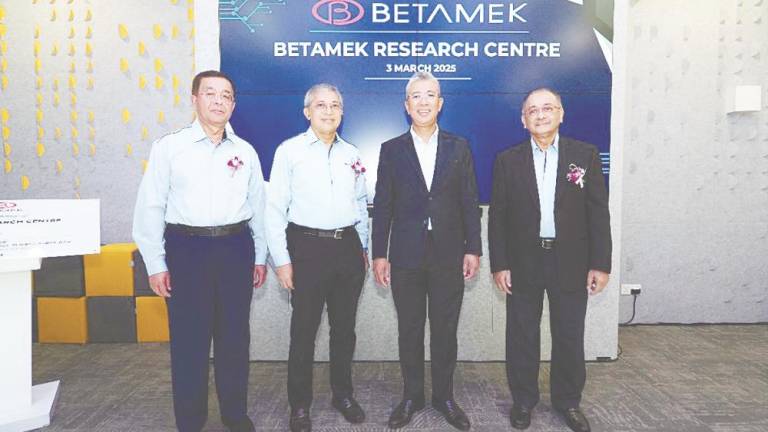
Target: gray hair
(421,76)
(541,89)
(322,86)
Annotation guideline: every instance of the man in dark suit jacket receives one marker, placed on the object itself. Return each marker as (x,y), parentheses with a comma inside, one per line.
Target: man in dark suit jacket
(426,215)
(548,230)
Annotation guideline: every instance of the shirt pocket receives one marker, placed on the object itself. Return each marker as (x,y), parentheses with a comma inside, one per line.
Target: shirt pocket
(236,181)
(344,176)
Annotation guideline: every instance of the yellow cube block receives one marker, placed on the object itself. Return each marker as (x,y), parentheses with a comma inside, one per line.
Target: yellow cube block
(110,273)
(151,319)
(62,320)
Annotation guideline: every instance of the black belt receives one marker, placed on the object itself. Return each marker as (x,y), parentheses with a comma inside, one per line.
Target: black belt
(547,243)
(337,233)
(207,231)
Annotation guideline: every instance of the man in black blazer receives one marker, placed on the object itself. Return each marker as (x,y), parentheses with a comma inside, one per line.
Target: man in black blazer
(426,216)
(548,230)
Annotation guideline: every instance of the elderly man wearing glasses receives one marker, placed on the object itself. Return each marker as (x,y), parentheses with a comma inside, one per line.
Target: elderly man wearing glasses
(548,231)
(317,231)
(198,224)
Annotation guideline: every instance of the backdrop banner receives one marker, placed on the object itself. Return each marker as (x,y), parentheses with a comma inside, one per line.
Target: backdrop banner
(487,55)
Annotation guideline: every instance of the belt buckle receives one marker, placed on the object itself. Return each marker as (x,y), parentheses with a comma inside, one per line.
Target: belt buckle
(337,233)
(545,244)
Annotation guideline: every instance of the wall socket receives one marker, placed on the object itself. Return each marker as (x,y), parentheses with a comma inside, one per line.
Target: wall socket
(631,289)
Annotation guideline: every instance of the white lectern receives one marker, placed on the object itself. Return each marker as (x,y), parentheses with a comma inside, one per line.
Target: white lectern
(31,230)
(23,407)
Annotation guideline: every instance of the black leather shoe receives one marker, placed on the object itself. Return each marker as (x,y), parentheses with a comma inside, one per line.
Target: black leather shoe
(576,420)
(403,412)
(350,409)
(453,414)
(245,425)
(300,421)
(520,417)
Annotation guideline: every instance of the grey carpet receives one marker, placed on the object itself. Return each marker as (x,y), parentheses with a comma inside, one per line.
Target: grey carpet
(669,378)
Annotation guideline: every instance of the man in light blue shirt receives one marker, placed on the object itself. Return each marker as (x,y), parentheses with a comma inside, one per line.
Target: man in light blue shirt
(198,224)
(317,231)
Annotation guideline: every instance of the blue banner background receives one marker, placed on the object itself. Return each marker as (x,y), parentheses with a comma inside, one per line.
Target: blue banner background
(483,106)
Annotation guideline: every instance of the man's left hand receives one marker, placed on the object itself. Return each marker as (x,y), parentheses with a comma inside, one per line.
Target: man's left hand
(596,281)
(259,275)
(471,264)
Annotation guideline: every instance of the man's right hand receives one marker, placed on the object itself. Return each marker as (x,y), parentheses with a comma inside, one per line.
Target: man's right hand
(285,276)
(503,281)
(161,284)
(381,269)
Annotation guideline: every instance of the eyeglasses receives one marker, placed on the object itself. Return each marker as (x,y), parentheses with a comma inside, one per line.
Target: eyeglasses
(225,98)
(428,96)
(322,106)
(546,109)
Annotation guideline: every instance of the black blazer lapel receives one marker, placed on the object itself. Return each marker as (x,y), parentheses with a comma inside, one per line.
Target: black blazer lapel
(530,174)
(410,152)
(444,150)
(562,169)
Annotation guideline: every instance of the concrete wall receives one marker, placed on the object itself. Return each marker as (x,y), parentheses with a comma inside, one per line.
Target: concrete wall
(695,179)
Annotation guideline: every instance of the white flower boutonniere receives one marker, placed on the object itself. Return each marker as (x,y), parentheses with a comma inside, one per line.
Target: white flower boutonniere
(235,164)
(576,175)
(357,167)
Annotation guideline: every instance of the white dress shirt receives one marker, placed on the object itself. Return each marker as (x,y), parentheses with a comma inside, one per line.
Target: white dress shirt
(315,186)
(189,181)
(427,154)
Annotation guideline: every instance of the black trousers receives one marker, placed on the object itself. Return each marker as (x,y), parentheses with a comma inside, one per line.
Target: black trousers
(212,286)
(325,271)
(438,290)
(567,310)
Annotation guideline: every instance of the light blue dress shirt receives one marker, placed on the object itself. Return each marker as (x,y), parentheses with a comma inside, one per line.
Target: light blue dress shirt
(189,181)
(315,186)
(545,164)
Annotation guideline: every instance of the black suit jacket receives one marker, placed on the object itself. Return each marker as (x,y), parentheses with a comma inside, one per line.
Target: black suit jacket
(403,205)
(582,221)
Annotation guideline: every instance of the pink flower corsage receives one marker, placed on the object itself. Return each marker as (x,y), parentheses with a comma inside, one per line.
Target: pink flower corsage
(235,164)
(357,167)
(576,175)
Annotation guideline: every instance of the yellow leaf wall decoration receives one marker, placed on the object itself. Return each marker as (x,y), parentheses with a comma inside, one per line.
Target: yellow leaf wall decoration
(157,31)
(122,31)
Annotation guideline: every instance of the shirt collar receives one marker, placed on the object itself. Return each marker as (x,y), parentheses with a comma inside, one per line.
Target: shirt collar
(432,138)
(312,137)
(554,146)
(198,133)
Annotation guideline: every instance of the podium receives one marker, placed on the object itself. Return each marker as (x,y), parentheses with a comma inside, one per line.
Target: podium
(31,230)
(23,407)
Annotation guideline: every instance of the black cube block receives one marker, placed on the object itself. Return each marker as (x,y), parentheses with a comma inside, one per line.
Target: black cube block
(111,319)
(60,277)
(140,278)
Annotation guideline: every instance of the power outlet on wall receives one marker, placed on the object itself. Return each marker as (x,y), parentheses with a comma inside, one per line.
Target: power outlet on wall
(631,289)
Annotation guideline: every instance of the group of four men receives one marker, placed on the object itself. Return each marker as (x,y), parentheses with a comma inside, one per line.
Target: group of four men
(203,223)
